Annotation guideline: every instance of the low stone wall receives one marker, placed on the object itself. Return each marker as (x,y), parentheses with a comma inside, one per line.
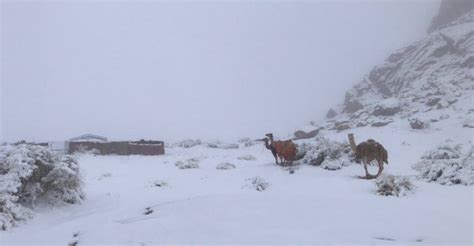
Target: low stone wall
(120,148)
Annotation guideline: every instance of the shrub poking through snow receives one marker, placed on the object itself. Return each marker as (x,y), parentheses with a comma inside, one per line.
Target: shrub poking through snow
(448,164)
(257,183)
(188,164)
(32,173)
(247,142)
(220,145)
(188,143)
(247,158)
(104,176)
(225,166)
(330,155)
(333,164)
(389,185)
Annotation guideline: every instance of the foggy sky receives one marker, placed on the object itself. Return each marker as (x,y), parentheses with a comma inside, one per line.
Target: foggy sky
(177,70)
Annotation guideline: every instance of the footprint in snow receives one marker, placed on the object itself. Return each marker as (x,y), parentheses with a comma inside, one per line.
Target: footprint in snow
(385,239)
(75,241)
(148,211)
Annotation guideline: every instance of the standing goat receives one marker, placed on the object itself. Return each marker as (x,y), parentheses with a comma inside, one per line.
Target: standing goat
(369,151)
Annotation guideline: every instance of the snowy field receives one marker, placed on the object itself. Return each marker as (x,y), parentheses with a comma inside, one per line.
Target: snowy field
(140,200)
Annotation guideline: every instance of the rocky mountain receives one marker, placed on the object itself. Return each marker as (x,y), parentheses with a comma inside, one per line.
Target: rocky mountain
(425,82)
(449,11)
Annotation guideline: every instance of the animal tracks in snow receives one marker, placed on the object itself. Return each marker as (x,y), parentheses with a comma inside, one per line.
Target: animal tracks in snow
(152,210)
(75,239)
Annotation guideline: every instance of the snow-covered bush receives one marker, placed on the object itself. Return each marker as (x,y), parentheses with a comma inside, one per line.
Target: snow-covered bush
(389,185)
(251,143)
(32,173)
(333,164)
(188,143)
(247,158)
(11,211)
(225,166)
(257,183)
(188,164)
(244,140)
(220,145)
(330,155)
(448,164)
(247,142)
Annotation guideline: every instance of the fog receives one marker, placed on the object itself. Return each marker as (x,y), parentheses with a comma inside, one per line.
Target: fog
(161,70)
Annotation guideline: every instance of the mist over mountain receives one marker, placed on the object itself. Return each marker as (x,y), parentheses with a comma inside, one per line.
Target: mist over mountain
(431,79)
(171,71)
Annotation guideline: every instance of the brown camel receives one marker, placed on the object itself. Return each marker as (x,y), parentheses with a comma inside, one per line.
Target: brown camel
(369,151)
(272,148)
(284,150)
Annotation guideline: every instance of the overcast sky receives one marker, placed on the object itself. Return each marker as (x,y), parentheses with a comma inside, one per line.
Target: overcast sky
(178,70)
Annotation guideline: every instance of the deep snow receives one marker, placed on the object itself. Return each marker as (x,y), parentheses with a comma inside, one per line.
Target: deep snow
(208,205)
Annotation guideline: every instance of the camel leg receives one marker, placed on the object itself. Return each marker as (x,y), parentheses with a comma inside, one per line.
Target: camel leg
(380,168)
(367,175)
(276,159)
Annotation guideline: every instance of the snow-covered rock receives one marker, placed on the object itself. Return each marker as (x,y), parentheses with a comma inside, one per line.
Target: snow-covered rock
(417,124)
(331,113)
(301,134)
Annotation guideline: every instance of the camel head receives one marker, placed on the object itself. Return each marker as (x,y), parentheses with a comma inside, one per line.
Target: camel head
(265,140)
(270,136)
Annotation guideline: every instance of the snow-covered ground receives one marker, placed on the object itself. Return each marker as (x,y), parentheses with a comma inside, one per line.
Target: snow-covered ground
(140,200)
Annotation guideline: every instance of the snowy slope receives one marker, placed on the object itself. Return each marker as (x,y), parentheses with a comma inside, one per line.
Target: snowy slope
(428,79)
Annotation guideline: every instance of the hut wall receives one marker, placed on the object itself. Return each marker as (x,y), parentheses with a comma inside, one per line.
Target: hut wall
(120,148)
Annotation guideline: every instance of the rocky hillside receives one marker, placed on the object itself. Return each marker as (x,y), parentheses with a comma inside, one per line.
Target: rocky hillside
(426,82)
(449,11)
